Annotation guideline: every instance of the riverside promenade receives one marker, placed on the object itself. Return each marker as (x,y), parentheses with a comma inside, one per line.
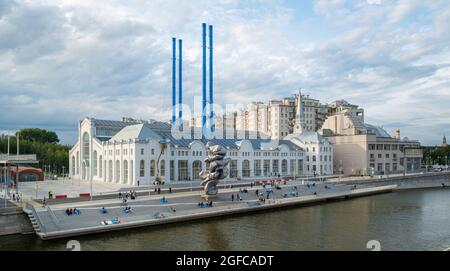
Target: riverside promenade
(403,181)
(52,221)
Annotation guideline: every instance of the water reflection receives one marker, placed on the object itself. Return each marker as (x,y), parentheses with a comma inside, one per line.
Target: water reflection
(411,220)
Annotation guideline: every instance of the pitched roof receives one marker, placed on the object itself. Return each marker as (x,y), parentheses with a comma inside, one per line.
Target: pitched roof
(306,137)
(162,131)
(138,131)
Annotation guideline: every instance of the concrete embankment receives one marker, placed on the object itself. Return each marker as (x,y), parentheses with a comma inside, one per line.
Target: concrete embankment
(220,211)
(14,221)
(417,181)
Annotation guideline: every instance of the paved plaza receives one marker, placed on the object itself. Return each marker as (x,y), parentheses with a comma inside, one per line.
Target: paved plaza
(71,188)
(55,219)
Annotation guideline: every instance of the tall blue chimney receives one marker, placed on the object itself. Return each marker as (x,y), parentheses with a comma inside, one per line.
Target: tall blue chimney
(211,97)
(174,67)
(204,82)
(180,82)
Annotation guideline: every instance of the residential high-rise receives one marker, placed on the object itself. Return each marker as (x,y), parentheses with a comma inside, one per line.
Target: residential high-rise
(277,117)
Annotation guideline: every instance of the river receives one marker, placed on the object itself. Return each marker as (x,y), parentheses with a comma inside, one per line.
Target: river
(406,220)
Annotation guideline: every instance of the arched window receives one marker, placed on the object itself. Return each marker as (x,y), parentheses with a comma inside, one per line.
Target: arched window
(125,171)
(78,163)
(73,165)
(275,167)
(85,144)
(257,167)
(142,168)
(162,171)
(284,168)
(266,167)
(117,172)
(196,168)
(95,163)
(100,166)
(245,168)
(233,169)
(152,168)
(110,170)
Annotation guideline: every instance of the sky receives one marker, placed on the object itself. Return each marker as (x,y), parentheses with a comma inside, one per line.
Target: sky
(63,60)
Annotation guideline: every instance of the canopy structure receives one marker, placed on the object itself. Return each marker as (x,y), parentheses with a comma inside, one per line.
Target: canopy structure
(18,159)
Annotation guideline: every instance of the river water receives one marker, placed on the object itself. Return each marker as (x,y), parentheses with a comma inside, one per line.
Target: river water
(407,220)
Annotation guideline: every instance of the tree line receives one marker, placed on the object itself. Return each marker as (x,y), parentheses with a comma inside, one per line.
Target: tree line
(45,144)
(436,155)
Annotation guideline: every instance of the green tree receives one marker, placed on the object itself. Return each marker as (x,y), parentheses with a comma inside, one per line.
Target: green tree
(38,135)
(46,148)
(436,155)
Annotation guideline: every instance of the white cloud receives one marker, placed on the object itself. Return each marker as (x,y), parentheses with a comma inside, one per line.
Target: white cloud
(67,59)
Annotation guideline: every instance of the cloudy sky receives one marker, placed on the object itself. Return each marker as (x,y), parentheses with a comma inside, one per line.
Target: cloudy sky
(62,60)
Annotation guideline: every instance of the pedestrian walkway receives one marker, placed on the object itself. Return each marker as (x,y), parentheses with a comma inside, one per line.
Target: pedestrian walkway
(181,207)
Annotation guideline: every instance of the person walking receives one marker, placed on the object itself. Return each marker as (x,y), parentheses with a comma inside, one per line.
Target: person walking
(232,197)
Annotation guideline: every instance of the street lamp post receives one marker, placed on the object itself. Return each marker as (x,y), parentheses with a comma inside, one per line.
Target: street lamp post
(37,188)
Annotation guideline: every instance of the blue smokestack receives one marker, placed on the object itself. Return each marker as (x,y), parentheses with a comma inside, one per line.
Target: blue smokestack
(211,97)
(180,82)
(204,82)
(174,64)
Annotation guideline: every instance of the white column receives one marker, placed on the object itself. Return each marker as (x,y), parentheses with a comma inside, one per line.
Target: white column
(175,168)
(252,166)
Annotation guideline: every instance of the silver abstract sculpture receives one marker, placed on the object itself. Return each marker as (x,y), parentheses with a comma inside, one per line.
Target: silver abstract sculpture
(216,169)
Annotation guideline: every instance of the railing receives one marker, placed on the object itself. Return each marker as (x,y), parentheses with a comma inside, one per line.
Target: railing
(36,215)
(52,215)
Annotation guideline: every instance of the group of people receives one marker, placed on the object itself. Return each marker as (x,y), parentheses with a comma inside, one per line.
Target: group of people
(238,197)
(16,197)
(74,211)
(243,190)
(115,220)
(261,198)
(127,209)
(158,190)
(128,195)
(205,204)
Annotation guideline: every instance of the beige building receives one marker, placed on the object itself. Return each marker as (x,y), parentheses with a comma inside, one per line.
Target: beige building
(364,149)
(275,118)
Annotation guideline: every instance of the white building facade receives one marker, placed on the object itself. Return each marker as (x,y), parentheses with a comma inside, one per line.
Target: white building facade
(134,152)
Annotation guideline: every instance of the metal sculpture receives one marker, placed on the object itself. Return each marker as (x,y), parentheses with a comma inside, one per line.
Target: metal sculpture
(159,180)
(216,169)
